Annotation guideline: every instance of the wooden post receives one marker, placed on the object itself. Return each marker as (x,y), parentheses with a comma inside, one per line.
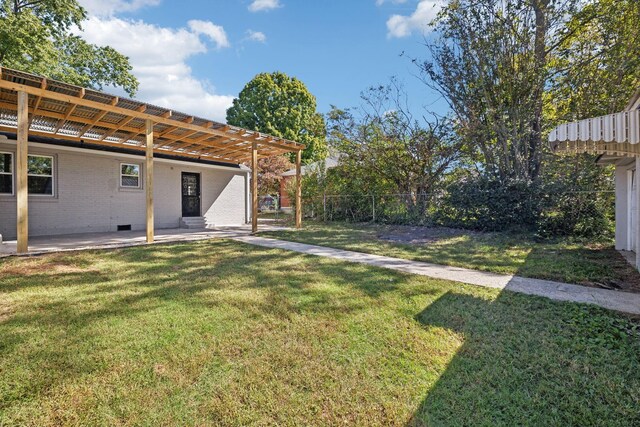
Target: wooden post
(298,189)
(22,191)
(149,181)
(254,187)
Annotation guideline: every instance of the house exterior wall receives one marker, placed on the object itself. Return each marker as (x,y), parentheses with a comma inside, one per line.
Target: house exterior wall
(284,194)
(88,196)
(622,208)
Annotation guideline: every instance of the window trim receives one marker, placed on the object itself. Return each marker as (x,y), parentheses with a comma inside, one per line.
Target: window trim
(52,176)
(139,176)
(11,174)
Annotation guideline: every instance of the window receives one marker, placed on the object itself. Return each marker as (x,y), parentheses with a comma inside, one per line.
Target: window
(6,173)
(40,175)
(129,175)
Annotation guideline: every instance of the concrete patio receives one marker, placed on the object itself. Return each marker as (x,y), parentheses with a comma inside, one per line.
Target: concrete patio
(122,239)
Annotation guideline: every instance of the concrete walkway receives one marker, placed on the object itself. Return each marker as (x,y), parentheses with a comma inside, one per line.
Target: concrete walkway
(613,300)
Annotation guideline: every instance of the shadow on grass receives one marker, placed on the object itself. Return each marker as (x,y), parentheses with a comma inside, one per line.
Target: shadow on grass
(524,360)
(529,361)
(69,309)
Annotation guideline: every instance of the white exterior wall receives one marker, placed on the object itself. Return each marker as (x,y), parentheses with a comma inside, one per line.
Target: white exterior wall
(622,208)
(88,197)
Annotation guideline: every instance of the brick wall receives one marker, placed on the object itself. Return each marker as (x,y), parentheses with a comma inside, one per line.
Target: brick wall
(88,196)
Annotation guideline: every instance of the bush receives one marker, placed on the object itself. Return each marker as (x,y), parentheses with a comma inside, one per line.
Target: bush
(485,204)
(578,214)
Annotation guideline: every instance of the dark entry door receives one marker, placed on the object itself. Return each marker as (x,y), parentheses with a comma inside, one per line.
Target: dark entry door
(190,194)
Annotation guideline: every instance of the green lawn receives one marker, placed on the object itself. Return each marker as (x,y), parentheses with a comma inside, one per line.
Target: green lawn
(498,252)
(220,333)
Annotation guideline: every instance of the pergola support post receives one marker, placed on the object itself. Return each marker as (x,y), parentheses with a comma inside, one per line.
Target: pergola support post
(22,191)
(149,180)
(254,187)
(299,189)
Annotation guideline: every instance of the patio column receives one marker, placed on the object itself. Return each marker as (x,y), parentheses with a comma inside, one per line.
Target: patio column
(149,181)
(299,189)
(22,189)
(254,187)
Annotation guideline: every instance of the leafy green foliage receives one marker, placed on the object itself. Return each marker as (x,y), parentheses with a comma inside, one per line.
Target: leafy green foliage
(269,174)
(490,63)
(390,151)
(35,36)
(282,106)
(596,68)
(487,204)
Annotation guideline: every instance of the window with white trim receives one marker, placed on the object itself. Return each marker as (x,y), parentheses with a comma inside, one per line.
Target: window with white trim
(6,173)
(129,175)
(40,175)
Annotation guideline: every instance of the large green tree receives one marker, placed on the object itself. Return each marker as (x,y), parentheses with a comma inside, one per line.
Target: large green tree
(36,36)
(596,68)
(490,61)
(282,106)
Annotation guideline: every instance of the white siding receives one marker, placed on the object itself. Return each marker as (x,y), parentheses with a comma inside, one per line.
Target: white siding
(89,198)
(622,208)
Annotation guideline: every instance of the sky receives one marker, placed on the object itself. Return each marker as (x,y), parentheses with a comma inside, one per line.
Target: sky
(195,56)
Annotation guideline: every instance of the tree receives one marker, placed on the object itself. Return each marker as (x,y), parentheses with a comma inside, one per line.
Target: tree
(386,150)
(270,170)
(490,61)
(596,69)
(36,36)
(282,106)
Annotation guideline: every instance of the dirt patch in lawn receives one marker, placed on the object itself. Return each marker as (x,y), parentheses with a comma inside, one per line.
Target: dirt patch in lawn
(615,272)
(627,276)
(422,235)
(42,266)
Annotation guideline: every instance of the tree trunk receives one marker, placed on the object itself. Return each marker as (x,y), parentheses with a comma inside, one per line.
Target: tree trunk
(540,8)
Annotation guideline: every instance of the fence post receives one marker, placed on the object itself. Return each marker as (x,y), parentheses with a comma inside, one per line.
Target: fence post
(324,207)
(373,207)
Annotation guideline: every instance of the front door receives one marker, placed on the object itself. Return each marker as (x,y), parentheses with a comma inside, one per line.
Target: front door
(190,194)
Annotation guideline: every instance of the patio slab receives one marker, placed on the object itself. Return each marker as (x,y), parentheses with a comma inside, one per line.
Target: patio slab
(614,300)
(122,239)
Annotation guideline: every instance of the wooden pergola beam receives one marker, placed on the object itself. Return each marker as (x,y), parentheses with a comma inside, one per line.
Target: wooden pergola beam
(43,85)
(139,147)
(70,110)
(269,141)
(122,124)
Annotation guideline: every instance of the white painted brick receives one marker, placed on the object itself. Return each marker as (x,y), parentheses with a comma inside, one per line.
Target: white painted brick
(88,197)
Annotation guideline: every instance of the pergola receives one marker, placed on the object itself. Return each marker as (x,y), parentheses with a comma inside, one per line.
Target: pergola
(34,105)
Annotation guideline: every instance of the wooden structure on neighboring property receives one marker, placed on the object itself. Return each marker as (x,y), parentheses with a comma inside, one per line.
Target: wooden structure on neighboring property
(34,105)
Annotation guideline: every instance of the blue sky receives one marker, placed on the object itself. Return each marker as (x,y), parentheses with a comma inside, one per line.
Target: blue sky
(195,56)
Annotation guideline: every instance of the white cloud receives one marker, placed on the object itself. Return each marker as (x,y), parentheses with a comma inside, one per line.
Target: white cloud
(256,36)
(215,32)
(260,5)
(159,58)
(419,20)
(111,7)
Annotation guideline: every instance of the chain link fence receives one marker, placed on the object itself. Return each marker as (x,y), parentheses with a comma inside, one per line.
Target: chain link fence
(269,208)
(578,213)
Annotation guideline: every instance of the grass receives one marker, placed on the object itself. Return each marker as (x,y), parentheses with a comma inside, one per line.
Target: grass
(559,260)
(220,333)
